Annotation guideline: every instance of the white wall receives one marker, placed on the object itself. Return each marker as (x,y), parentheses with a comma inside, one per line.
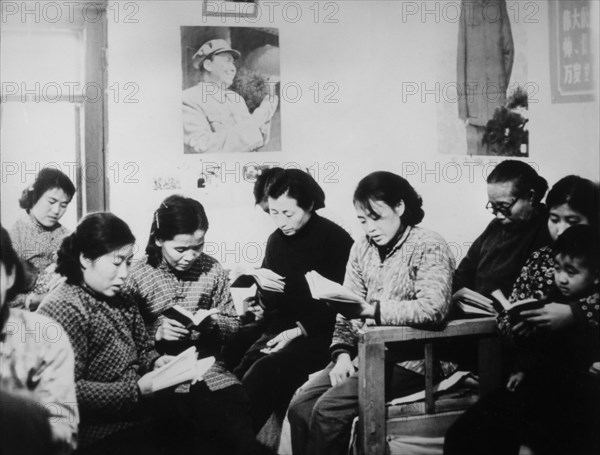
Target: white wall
(367,54)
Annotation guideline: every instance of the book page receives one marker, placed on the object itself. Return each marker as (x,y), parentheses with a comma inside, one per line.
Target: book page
(323,289)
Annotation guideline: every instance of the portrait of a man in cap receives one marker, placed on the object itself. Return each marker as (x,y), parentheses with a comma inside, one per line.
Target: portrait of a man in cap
(215,118)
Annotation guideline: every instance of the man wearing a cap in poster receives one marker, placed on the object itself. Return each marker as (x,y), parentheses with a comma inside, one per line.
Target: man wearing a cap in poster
(216,119)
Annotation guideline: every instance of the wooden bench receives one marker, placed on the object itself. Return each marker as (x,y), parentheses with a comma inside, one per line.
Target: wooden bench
(436,413)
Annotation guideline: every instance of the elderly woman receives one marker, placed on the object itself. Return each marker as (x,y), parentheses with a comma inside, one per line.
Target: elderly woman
(37,236)
(403,274)
(519,227)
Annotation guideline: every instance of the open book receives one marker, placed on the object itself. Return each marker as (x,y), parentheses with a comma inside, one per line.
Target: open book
(514,309)
(473,303)
(265,279)
(185,367)
(187,318)
(323,289)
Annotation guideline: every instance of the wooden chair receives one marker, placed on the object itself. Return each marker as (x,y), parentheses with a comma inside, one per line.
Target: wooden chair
(433,416)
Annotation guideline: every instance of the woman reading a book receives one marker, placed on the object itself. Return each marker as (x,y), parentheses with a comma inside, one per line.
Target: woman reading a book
(572,200)
(112,349)
(38,235)
(176,275)
(401,274)
(297,329)
(519,227)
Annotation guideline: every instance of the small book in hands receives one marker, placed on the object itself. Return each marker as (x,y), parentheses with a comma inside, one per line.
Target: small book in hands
(183,368)
(187,318)
(265,279)
(515,309)
(323,289)
(474,303)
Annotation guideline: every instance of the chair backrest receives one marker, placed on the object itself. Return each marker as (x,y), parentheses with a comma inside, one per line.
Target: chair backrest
(373,427)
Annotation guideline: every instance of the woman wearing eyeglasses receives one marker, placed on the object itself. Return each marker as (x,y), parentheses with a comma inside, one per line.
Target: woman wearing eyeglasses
(515,191)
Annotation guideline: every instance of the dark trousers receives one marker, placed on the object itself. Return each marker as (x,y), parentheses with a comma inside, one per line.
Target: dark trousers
(321,416)
(271,379)
(548,416)
(221,420)
(146,438)
(199,422)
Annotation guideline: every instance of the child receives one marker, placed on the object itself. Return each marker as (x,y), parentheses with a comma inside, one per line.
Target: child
(552,404)
(576,276)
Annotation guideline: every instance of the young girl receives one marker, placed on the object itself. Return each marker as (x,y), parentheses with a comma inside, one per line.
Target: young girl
(404,274)
(38,236)
(176,271)
(572,200)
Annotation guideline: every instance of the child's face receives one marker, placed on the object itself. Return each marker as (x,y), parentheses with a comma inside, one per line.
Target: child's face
(573,277)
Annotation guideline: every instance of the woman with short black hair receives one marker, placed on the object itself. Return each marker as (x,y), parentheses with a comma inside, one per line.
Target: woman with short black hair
(297,329)
(37,236)
(403,275)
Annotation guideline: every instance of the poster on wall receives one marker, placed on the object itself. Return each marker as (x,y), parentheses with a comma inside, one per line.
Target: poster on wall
(571,67)
(230,90)
(482,81)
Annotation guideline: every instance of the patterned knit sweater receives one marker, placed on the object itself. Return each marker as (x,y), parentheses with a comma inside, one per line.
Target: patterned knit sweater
(112,351)
(411,286)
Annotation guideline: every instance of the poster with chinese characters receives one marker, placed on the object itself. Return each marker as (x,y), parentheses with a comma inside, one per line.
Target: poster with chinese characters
(571,67)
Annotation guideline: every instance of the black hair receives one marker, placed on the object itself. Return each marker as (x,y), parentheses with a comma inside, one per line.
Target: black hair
(582,195)
(390,188)
(12,265)
(175,215)
(580,241)
(47,179)
(523,177)
(298,185)
(96,235)
(263,181)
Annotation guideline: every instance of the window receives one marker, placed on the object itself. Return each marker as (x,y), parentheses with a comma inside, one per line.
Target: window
(52,111)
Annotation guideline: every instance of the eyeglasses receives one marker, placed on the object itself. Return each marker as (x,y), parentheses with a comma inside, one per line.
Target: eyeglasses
(503,208)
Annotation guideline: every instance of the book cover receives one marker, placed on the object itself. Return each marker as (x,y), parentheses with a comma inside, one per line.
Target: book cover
(264,278)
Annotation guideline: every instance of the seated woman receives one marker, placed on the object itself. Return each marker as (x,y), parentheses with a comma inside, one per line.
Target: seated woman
(37,367)
(403,273)
(112,349)
(572,200)
(37,236)
(551,403)
(494,260)
(297,328)
(175,271)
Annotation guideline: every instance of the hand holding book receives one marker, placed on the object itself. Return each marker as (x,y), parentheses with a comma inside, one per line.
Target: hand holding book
(346,302)
(265,279)
(182,368)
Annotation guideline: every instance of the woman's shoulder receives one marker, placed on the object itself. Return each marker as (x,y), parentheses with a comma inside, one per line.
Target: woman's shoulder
(329,225)
(209,263)
(425,236)
(65,299)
